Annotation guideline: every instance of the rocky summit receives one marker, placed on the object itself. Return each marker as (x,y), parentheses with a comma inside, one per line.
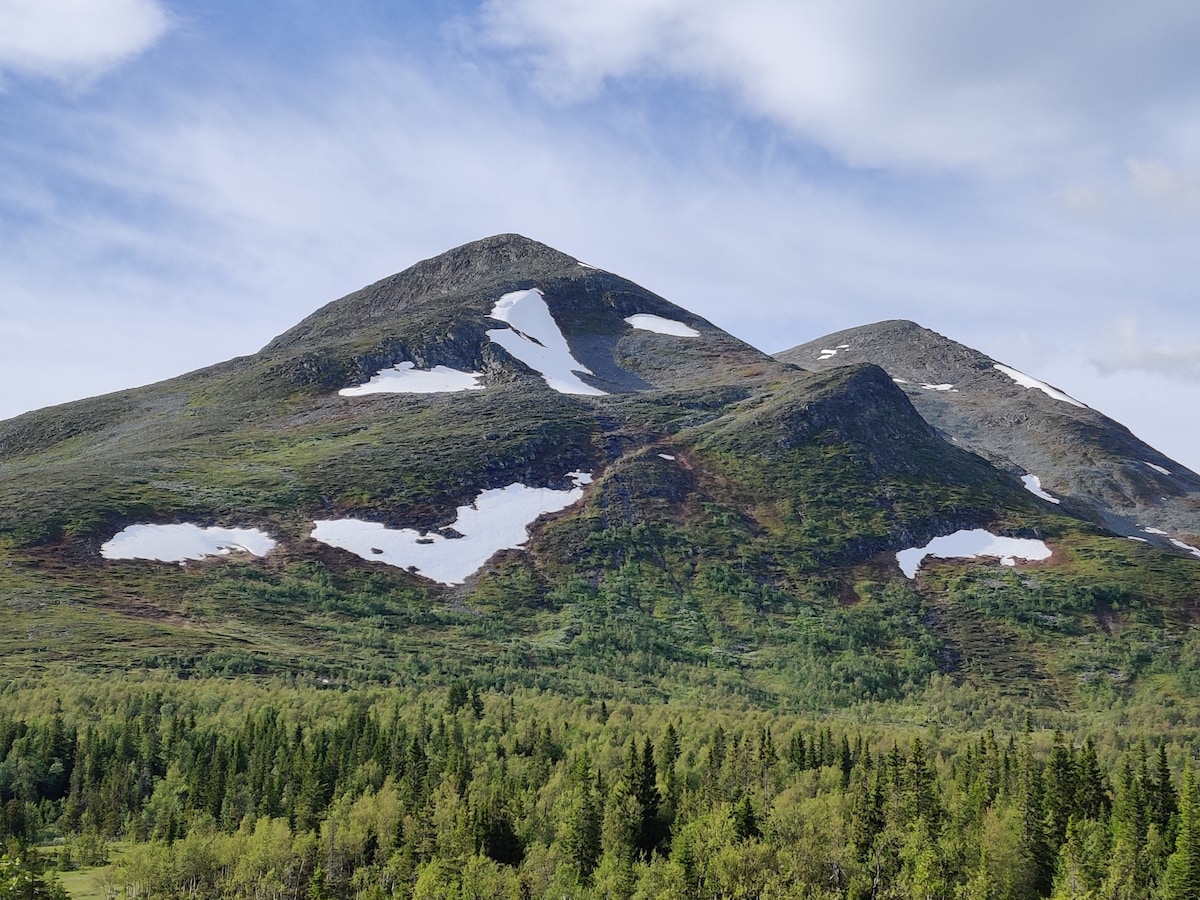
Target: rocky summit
(506,462)
(1094,466)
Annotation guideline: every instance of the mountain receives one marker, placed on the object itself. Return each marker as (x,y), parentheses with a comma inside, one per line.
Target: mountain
(1094,466)
(508,465)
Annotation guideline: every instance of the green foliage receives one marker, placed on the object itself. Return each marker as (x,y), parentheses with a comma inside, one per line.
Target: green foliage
(220,790)
(1183,866)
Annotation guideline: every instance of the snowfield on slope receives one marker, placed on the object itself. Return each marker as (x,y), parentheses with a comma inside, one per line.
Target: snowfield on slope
(497,520)
(970,544)
(405,378)
(536,340)
(1033,484)
(659,325)
(1028,381)
(178,543)
(831,353)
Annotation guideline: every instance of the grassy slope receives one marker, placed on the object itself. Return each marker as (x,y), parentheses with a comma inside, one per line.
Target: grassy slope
(754,568)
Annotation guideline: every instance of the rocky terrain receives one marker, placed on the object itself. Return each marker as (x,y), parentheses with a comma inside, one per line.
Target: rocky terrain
(1093,465)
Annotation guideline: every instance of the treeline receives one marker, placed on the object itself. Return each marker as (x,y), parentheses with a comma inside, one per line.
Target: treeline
(479,795)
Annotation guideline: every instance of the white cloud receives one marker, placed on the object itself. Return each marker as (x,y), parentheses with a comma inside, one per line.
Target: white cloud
(1127,349)
(75,38)
(1008,87)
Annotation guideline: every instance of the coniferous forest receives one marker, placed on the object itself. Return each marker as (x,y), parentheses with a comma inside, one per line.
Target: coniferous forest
(277,791)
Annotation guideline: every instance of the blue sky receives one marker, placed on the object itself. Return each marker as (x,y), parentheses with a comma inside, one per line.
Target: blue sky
(179,182)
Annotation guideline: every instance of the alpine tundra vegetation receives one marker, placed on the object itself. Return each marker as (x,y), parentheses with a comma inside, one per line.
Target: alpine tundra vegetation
(505,577)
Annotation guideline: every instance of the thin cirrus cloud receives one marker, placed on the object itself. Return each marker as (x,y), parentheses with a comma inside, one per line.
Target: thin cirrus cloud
(1128,349)
(994,87)
(64,39)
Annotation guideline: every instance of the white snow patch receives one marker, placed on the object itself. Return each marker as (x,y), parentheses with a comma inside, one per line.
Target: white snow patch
(586,266)
(659,325)
(831,353)
(536,340)
(900,380)
(970,544)
(940,387)
(497,520)
(404,378)
(1195,551)
(1188,547)
(1159,469)
(1029,382)
(1141,540)
(666,456)
(177,543)
(1033,484)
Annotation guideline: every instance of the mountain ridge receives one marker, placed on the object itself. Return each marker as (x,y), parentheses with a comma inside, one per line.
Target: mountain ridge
(640,484)
(1095,466)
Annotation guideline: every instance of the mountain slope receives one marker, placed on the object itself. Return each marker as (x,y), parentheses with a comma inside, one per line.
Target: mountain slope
(506,464)
(1095,466)
(269,434)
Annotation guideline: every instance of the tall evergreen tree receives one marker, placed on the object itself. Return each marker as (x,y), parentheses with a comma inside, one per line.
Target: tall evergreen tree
(1182,881)
(1129,870)
(1060,791)
(920,789)
(644,781)
(1164,802)
(1034,846)
(1091,796)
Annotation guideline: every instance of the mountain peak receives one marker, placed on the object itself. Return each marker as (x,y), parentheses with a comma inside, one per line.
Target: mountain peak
(443,311)
(1024,426)
(490,265)
(496,256)
(912,352)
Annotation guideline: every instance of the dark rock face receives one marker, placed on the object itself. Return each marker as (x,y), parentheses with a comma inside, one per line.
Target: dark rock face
(1094,465)
(437,312)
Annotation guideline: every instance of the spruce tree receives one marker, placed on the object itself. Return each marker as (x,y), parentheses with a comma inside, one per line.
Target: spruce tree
(1164,801)
(1034,845)
(1182,880)
(1128,870)
(1091,796)
(644,779)
(745,822)
(669,752)
(1060,791)
(922,803)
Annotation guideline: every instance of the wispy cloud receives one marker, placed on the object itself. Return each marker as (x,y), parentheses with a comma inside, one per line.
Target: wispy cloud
(66,39)
(1127,348)
(1017,86)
